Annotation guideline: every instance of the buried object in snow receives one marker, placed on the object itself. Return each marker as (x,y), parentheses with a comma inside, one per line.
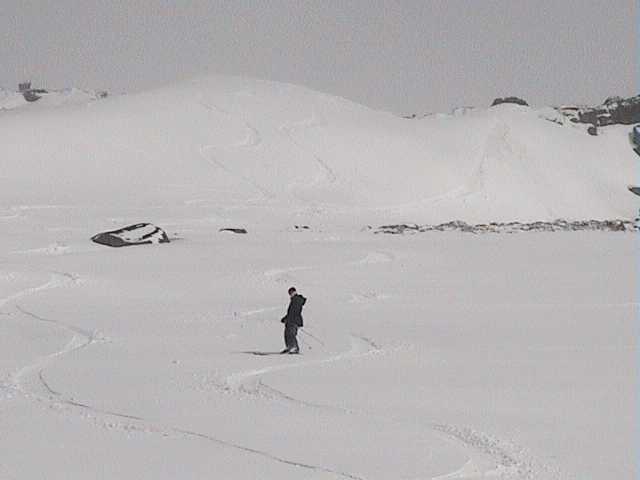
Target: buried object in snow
(234,230)
(138,234)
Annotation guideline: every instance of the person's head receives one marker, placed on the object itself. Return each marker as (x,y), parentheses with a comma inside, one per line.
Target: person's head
(292,291)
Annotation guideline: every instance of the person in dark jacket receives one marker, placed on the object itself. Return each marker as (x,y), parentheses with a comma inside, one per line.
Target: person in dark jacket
(292,321)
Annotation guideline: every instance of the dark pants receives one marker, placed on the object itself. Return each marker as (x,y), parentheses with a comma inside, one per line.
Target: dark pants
(290,340)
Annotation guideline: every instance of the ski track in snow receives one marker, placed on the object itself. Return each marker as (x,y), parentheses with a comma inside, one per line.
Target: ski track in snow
(283,275)
(375,258)
(80,339)
(493,147)
(252,140)
(488,456)
(57,280)
(30,381)
(211,158)
(507,460)
(11,213)
(288,129)
(246,380)
(52,249)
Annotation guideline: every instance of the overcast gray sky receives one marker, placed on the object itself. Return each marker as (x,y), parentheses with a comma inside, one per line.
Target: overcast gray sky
(404,56)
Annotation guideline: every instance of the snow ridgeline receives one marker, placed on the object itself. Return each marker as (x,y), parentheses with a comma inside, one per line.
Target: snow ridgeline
(515,227)
(269,149)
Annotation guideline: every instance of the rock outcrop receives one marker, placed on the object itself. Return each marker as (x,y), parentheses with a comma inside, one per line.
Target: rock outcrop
(26,95)
(512,227)
(614,111)
(514,100)
(634,189)
(138,234)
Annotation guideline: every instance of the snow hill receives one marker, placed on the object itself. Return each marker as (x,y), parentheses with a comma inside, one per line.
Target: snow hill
(233,142)
(442,356)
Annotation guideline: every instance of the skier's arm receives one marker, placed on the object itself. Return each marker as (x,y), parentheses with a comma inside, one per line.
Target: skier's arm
(284,319)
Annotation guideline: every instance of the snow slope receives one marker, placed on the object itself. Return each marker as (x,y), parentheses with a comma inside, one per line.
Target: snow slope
(427,357)
(435,356)
(234,141)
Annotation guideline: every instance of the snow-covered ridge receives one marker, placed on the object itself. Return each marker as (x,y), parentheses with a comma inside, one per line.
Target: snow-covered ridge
(614,110)
(229,142)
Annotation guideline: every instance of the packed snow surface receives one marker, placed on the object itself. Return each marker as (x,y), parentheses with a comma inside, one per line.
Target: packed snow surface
(441,355)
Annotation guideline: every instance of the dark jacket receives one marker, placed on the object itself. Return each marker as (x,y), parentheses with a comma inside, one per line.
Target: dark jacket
(294,312)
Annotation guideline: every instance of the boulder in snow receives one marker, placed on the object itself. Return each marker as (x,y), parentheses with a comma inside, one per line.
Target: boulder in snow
(635,135)
(514,100)
(613,111)
(138,234)
(634,189)
(234,230)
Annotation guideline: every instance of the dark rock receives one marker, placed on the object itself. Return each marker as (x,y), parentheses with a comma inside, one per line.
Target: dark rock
(233,230)
(613,100)
(30,94)
(614,111)
(33,94)
(138,234)
(592,130)
(634,138)
(515,100)
(559,225)
(635,135)
(634,189)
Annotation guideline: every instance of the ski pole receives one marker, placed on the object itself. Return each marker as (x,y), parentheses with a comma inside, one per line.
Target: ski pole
(314,337)
(305,344)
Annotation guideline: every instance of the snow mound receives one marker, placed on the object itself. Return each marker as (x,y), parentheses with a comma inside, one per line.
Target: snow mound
(229,142)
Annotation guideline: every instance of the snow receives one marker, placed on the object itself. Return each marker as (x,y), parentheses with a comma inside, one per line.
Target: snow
(431,356)
(235,142)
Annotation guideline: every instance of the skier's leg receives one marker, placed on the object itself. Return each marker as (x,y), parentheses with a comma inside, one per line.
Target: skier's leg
(294,348)
(286,341)
(287,338)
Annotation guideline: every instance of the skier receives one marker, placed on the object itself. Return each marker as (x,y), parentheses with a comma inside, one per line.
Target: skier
(292,321)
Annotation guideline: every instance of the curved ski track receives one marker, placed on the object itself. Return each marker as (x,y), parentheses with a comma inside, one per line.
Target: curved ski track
(30,381)
(252,140)
(312,122)
(508,459)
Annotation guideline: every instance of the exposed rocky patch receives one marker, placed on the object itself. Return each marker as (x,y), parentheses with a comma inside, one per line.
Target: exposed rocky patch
(31,94)
(234,230)
(613,111)
(138,234)
(513,227)
(514,100)
(28,95)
